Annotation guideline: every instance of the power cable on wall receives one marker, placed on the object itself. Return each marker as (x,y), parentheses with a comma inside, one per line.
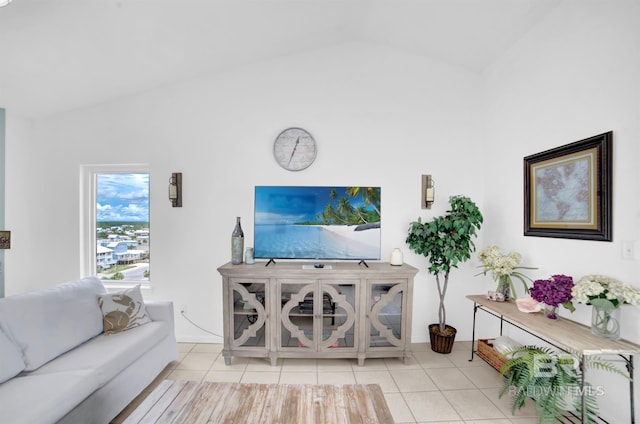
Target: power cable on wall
(184,314)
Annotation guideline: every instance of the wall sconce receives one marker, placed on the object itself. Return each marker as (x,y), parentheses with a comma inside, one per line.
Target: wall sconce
(428,191)
(175,189)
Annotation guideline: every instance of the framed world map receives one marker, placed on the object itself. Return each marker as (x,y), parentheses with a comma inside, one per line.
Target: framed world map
(567,190)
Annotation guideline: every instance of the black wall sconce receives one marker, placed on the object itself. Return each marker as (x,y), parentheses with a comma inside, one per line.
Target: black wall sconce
(428,191)
(175,189)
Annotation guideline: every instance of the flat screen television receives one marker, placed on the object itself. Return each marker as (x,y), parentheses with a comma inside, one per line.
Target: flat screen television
(296,222)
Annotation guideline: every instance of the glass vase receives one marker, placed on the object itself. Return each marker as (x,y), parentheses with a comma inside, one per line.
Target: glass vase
(605,321)
(504,288)
(551,311)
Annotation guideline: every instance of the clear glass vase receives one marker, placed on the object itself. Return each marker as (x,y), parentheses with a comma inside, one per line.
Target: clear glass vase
(551,311)
(504,288)
(605,320)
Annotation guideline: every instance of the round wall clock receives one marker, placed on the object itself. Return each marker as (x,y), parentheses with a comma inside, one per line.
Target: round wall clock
(294,149)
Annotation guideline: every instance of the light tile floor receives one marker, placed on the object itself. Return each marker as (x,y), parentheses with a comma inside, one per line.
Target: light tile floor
(431,388)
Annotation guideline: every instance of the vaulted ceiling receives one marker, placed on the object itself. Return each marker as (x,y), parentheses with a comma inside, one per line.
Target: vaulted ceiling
(58,55)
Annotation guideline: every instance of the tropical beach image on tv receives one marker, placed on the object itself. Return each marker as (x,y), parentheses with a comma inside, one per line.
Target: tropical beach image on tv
(317,222)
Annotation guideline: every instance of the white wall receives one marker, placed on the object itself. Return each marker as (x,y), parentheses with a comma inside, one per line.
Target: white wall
(379,117)
(573,76)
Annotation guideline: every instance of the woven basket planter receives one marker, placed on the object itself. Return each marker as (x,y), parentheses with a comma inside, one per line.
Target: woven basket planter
(489,354)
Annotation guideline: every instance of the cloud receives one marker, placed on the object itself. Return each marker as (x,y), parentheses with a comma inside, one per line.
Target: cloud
(123,197)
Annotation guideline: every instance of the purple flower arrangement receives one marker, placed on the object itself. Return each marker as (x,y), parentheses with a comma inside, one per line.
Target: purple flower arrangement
(554,291)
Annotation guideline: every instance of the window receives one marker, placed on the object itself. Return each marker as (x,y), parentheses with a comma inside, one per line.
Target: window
(115,223)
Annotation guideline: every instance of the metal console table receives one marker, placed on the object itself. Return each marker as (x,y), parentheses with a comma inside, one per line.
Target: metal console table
(566,335)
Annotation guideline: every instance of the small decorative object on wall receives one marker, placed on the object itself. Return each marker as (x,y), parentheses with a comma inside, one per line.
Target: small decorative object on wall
(567,190)
(294,149)
(428,191)
(175,189)
(5,239)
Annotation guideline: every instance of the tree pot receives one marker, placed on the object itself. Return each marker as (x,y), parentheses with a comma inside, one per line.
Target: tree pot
(442,342)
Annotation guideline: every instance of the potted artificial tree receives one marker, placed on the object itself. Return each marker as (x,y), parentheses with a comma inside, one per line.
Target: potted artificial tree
(445,242)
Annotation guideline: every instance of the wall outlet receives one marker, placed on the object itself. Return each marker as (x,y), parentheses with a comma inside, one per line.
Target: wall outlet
(627,249)
(183,309)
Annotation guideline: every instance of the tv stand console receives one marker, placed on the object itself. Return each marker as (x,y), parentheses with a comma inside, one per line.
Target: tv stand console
(293,310)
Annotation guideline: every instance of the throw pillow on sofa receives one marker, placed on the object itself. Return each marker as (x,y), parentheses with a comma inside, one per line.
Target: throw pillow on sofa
(123,310)
(11,362)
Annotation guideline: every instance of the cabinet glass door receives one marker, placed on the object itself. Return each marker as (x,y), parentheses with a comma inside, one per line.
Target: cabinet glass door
(385,313)
(317,315)
(296,316)
(337,324)
(249,313)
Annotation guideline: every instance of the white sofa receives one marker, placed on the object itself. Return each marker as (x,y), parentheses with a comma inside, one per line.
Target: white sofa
(59,367)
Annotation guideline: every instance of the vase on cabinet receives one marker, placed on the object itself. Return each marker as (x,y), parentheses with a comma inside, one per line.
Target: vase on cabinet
(237,243)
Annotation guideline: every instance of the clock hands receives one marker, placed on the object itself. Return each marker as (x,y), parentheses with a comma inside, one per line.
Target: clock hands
(294,151)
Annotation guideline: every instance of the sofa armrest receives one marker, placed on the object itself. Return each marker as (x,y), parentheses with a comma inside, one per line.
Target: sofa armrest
(161,310)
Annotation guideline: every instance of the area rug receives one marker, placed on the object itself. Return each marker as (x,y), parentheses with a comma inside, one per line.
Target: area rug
(191,402)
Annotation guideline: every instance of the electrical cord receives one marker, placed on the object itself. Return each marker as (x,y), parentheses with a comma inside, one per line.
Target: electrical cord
(196,325)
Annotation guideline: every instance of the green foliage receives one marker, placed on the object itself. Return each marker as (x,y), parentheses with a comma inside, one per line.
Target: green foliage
(446,241)
(118,276)
(340,211)
(540,374)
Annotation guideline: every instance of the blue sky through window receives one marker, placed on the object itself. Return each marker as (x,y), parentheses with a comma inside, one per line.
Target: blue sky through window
(122,197)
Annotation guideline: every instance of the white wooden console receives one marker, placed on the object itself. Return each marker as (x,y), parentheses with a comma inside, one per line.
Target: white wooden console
(293,310)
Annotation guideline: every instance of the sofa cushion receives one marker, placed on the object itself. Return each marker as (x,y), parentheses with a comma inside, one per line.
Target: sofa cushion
(123,310)
(46,323)
(44,398)
(108,355)
(11,362)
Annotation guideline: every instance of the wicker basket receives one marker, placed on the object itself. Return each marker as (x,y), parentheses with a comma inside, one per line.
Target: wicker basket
(489,354)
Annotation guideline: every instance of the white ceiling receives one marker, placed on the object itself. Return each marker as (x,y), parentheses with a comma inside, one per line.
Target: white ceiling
(58,55)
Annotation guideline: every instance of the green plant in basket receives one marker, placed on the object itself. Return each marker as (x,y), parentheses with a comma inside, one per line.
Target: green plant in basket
(446,241)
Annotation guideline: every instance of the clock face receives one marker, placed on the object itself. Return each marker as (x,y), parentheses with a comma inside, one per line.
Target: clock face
(294,149)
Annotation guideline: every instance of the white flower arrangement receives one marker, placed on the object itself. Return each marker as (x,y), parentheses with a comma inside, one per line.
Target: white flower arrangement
(592,287)
(503,267)
(499,265)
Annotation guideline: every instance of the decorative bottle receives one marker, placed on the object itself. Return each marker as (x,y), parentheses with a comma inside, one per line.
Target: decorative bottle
(237,243)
